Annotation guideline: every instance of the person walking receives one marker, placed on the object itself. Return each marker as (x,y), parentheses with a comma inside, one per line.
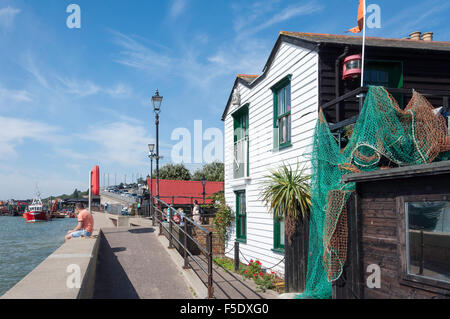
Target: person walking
(196,212)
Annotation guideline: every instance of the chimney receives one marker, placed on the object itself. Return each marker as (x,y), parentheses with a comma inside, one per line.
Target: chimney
(427,36)
(415,35)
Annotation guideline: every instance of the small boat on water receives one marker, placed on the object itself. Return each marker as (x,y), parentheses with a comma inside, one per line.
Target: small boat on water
(36,212)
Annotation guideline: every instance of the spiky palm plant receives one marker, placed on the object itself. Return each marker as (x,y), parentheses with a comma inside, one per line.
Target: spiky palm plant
(287,193)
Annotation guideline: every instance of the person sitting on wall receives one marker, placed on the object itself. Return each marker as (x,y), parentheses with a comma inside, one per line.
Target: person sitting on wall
(85,223)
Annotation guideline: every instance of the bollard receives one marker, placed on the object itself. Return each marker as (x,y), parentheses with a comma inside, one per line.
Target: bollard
(236,256)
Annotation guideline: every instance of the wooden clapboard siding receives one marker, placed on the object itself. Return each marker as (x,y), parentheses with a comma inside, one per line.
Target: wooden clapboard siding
(421,70)
(303,65)
(376,228)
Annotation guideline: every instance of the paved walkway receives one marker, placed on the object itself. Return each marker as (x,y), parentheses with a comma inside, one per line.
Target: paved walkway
(133,264)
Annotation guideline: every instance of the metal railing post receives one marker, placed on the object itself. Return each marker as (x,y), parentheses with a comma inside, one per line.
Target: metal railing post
(169,211)
(186,262)
(160,214)
(210,266)
(236,256)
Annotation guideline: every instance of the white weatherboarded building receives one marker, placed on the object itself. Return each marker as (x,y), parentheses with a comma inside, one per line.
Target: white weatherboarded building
(269,119)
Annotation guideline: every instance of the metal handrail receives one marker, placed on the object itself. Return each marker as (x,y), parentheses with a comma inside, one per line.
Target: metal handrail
(207,251)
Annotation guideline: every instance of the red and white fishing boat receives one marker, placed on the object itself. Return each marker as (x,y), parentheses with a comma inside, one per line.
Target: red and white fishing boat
(36,211)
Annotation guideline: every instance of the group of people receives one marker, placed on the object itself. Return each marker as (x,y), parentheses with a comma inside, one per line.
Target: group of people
(85,224)
(178,216)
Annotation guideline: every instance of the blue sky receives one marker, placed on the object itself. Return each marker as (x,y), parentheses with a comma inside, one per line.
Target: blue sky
(74,98)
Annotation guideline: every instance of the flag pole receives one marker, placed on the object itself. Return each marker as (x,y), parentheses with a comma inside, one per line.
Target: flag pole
(363,45)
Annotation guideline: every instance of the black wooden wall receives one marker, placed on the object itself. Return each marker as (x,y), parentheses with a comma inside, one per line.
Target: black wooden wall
(296,258)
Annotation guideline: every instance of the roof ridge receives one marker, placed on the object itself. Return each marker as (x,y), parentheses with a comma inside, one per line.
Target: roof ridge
(306,34)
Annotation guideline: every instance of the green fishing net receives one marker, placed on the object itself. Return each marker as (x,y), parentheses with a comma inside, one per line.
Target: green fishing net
(384,136)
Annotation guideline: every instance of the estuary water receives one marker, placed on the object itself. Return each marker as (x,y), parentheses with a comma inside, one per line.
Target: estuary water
(23,246)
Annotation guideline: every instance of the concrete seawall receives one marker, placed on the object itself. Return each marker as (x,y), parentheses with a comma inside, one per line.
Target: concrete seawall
(57,277)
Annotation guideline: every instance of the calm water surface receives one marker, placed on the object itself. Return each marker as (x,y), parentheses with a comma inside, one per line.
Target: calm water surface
(23,246)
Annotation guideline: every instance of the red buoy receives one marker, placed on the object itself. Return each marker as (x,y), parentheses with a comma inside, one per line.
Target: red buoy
(95,184)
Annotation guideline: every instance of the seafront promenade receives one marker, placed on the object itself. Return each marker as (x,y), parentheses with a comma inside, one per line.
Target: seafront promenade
(125,258)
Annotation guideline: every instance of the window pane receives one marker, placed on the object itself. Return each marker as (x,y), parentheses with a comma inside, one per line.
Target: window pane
(288,97)
(281,237)
(281,102)
(284,127)
(428,240)
(241,218)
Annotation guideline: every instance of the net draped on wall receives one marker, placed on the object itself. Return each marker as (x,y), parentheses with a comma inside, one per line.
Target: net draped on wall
(384,135)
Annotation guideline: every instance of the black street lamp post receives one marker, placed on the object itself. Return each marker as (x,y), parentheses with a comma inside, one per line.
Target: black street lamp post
(151,155)
(156,101)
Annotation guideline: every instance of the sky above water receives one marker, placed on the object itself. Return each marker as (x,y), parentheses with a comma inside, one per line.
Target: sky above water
(72,98)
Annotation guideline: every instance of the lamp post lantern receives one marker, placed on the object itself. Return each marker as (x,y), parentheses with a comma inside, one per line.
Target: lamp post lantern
(203,181)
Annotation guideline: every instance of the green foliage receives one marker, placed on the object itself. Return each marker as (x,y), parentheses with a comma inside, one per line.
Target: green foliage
(253,271)
(76,194)
(213,172)
(174,172)
(224,216)
(287,192)
(228,264)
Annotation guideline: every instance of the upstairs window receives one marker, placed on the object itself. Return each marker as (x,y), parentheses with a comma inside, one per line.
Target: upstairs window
(282,113)
(241,143)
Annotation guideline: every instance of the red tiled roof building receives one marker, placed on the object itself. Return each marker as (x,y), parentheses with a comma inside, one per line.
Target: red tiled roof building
(179,192)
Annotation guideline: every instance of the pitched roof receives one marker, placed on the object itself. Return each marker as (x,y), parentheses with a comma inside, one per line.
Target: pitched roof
(186,189)
(313,40)
(370,41)
(247,77)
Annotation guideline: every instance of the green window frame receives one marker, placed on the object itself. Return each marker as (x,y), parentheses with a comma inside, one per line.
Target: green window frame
(241,217)
(278,234)
(282,113)
(241,163)
(387,73)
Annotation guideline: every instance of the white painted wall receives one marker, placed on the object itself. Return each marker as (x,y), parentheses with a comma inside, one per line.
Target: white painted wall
(303,65)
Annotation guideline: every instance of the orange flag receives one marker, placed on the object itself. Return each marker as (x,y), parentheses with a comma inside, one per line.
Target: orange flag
(360,26)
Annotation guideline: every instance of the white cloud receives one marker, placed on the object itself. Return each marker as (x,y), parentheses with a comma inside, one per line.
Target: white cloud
(417,17)
(15,131)
(258,21)
(7,16)
(177,8)
(137,55)
(18,184)
(8,96)
(119,142)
